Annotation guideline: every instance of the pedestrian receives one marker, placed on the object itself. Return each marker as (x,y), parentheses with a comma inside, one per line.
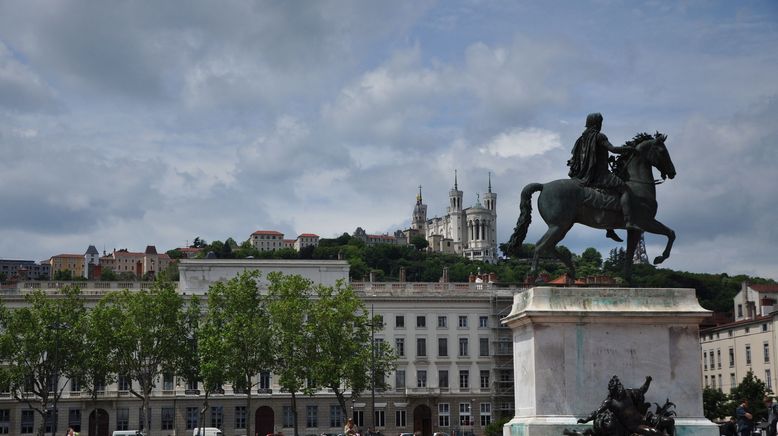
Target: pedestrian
(772,415)
(745,421)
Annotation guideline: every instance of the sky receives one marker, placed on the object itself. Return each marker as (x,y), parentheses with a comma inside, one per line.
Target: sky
(126,124)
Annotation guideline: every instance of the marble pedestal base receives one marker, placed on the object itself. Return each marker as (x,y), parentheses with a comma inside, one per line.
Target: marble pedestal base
(569,342)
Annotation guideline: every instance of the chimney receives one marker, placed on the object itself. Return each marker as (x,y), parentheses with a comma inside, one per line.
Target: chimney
(402,274)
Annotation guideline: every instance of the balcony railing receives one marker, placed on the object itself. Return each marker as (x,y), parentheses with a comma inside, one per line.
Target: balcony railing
(421,392)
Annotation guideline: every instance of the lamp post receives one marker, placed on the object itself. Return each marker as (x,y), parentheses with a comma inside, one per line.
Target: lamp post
(57,327)
(372,368)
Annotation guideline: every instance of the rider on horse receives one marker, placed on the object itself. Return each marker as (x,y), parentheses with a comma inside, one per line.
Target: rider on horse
(589,164)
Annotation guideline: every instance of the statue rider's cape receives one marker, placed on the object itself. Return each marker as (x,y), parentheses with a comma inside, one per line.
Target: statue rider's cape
(584,160)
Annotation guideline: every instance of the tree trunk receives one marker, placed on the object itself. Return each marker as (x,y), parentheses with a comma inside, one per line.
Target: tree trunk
(248,407)
(294,412)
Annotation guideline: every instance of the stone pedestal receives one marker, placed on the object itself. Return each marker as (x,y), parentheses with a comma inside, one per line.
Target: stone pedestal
(569,342)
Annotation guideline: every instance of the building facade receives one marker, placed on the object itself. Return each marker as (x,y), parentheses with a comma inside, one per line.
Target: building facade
(270,240)
(24,269)
(149,262)
(731,350)
(67,262)
(454,373)
(467,231)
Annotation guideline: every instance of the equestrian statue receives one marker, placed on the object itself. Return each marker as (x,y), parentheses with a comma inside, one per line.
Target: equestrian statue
(622,196)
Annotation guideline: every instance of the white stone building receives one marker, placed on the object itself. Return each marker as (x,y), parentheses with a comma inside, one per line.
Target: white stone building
(454,372)
(730,350)
(470,232)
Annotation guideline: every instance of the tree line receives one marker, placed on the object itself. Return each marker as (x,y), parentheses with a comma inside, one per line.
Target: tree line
(717,405)
(309,336)
(384,261)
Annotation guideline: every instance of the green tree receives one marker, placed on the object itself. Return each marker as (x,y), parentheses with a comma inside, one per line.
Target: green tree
(341,326)
(176,254)
(96,367)
(495,427)
(108,275)
(289,309)
(62,275)
(40,344)
(420,242)
(753,390)
(236,332)
(198,243)
(148,337)
(715,403)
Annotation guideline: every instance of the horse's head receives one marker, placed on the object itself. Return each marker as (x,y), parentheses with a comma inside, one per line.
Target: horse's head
(655,152)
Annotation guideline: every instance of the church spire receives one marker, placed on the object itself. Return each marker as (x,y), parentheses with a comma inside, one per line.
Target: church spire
(456,188)
(490,181)
(418,197)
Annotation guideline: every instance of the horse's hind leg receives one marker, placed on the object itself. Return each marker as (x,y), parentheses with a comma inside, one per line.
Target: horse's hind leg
(548,242)
(633,236)
(658,228)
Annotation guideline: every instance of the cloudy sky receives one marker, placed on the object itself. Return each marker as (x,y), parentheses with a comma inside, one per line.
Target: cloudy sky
(124,124)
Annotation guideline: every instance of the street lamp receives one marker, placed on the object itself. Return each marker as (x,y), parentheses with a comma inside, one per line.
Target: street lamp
(372,368)
(58,327)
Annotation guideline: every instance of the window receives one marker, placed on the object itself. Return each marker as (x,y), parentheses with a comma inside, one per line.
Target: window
(483,346)
(464,414)
(336,416)
(764,327)
(124,383)
(486,414)
(191,418)
(399,346)
(464,379)
(288,417)
(75,385)
(264,382)
(442,347)
(123,419)
(421,321)
(400,418)
(732,381)
(748,354)
(311,416)
(191,385)
(421,347)
(485,379)
(74,418)
(483,321)
(399,379)
(380,418)
(718,358)
(27,421)
(166,419)
(713,381)
(748,329)
(444,415)
(731,357)
(421,378)
(705,359)
(443,378)
(359,418)
(240,416)
(442,322)
(399,322)
(5,421)
(462,321)
(768,379)
(217,416)
(766,351)
(167,385)
(721,385)
(706,381)
(729,333)
(739,310)
(463,347)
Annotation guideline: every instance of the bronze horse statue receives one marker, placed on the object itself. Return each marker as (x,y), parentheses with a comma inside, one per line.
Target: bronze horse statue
(565,202)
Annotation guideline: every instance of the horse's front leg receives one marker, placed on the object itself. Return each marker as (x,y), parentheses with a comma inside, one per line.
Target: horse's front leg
(658,228)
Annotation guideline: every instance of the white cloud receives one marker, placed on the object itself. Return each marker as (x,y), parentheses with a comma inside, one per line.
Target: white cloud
(521,143)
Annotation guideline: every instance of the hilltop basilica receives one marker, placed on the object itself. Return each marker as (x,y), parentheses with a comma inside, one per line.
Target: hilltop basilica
(470,232)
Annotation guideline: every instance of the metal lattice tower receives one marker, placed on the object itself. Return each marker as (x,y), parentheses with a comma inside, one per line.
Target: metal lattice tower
(640,251)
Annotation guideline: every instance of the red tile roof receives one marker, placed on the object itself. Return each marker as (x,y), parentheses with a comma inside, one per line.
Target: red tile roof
(267,232)
(309,235)
(189,249)
(68,255)
(764,287)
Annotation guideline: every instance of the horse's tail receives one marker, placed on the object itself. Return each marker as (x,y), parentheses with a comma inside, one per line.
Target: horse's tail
(520,231)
